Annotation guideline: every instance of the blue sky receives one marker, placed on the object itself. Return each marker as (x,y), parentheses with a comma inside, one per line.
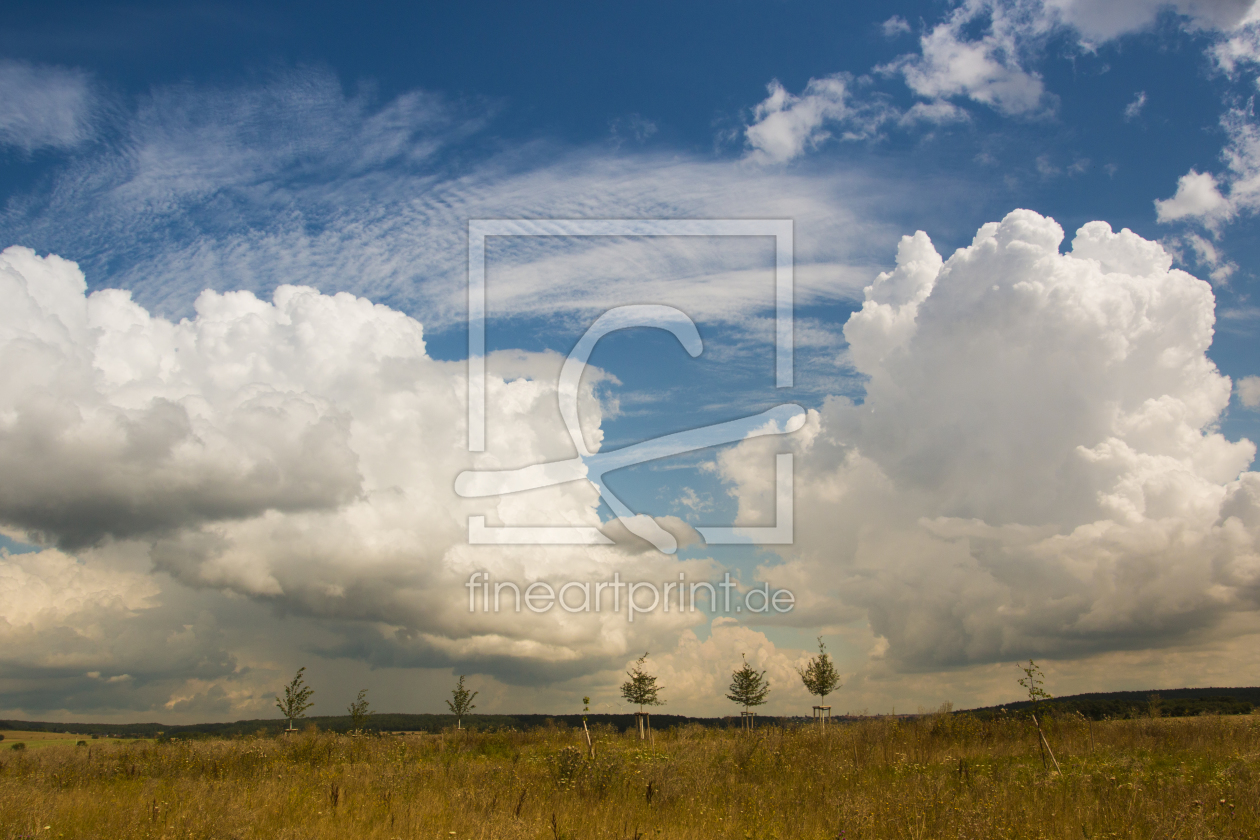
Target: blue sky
(173,149)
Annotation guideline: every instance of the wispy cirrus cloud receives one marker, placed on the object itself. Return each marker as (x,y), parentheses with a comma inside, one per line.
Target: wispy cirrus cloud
(298,181)
(43,107)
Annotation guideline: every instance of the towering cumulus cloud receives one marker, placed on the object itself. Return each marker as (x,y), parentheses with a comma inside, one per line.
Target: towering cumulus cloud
(300,451)
(1035,468)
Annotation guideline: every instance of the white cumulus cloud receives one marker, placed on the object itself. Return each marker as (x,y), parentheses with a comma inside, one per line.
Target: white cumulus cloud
(894,27)
(785,125)
(300,451)
(40,590)
(1239,50)
(1249,391)
(987,69)
(1211,200)
(1198,196)
(1103,21)
(698,673)
(96,633)
(1204,198)
(986,52)
(1033,469)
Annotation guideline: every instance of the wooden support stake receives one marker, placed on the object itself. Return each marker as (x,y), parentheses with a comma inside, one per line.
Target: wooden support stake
(1047,746)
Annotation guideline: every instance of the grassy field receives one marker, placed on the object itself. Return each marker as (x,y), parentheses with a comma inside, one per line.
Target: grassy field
(41,740)
(36,740)
(940,776)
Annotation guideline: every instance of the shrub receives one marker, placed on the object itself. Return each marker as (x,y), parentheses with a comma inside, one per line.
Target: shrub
(566,765)
(18,746)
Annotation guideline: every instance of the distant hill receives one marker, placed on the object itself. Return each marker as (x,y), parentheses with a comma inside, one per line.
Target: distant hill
(1177,702)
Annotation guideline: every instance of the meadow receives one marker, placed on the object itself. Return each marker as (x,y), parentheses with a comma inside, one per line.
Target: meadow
(935,776)
(35,740)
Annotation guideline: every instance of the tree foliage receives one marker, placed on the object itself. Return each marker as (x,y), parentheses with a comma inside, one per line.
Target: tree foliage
(748,687)
(461,702)
(820,675)
(1032,682)
(641,689)
(297,698)
(359,710)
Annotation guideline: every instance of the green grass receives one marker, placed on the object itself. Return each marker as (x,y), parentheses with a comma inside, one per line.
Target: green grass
(935,777)
(35,740)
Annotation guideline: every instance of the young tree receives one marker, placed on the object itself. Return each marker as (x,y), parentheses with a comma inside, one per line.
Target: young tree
(642,690)
(461,702)
(820,675)
(297,698)
(586,707)
(1032,681)
(359,711)
(748,688)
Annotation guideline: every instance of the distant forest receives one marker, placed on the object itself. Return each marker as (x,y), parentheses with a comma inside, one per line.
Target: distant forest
(1179,702)
(380,722)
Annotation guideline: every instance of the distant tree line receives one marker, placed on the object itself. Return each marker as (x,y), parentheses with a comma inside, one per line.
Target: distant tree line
(1106,707)
(749,688)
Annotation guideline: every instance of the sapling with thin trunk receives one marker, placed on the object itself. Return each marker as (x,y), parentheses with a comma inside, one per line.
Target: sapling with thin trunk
(748,687)
(297,698)
(642,690)
(359,711)
(820,675)
(1032,682)
(461,702)
(586,707)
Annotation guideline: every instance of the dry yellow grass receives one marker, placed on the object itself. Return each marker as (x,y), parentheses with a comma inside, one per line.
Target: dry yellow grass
(935,777)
